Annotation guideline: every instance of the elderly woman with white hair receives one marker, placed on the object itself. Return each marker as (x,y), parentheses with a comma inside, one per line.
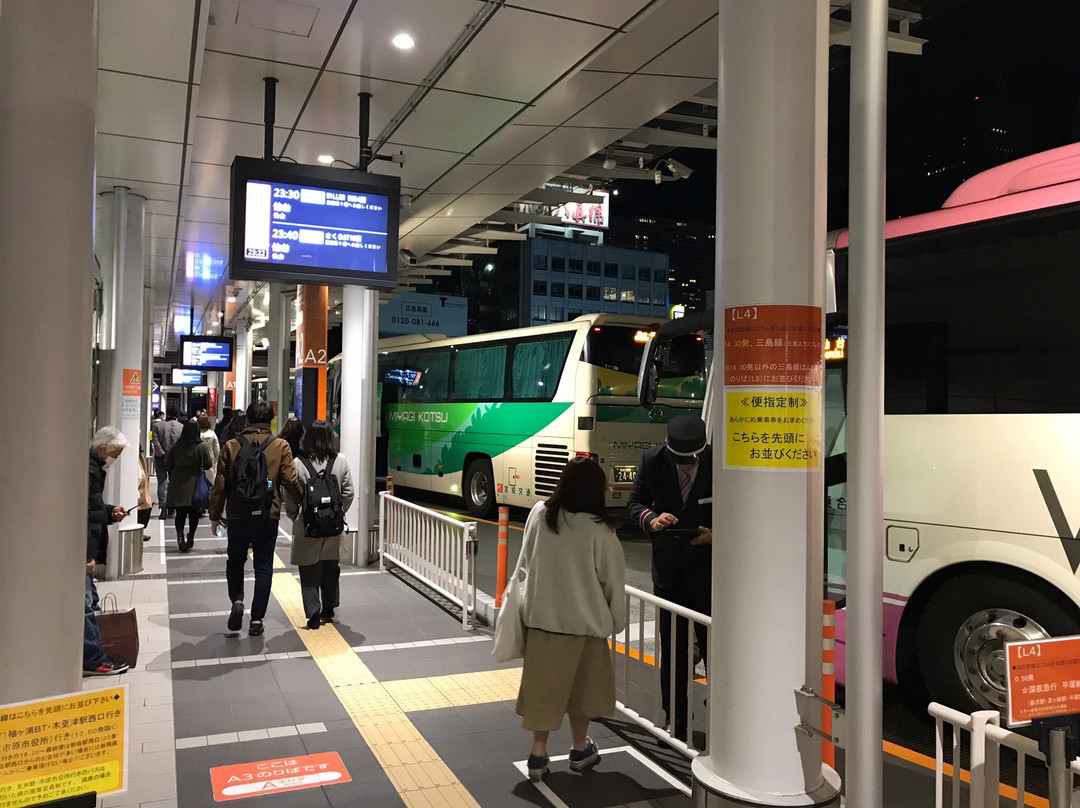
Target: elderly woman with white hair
(106,445)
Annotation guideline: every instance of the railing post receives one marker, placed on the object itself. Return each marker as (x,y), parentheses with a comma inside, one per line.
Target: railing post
(504,551)
(828,678)
(390,484)
(382,531)
(981,788)
(1057,764)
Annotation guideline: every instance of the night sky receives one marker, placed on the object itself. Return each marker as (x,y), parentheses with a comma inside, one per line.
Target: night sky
(1007,65)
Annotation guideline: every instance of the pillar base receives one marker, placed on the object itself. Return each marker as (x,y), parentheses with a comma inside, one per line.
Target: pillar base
(710,791)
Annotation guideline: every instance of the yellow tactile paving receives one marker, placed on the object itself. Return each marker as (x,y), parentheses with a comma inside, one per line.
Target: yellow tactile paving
(436,692)
(419,775)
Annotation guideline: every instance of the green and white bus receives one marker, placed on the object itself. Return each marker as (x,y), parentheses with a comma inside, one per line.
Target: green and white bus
(493,418)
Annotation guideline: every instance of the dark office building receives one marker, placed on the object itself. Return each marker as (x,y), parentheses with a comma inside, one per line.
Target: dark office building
(690,247)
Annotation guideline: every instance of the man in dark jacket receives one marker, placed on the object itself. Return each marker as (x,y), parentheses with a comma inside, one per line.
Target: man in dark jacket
(247,528)
(673,488)
(105,447)
(165,433)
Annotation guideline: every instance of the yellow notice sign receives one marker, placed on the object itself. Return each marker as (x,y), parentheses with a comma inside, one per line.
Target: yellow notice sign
(63,747)
(772,430)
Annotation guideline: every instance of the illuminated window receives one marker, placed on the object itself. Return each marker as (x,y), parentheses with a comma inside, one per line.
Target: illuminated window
(627,296)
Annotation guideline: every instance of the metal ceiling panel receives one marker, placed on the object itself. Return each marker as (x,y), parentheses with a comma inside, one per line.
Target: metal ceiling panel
(489,67)
(566,147)
(568,98)
(638,100)
(612,13)
(138,160)
(146,37)
(511,179)
(167,193)
(461,179)
(141,107)
(365,47)
(208,179)
(335,108)
(233,88)
(218,141)
(204,233)
(454,121)
(697,54)
(207,209)
(225,33)
(507,144)
(654,34)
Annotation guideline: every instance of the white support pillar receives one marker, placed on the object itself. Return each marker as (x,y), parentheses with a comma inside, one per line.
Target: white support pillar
(768,507)
(122,387)
(277,330)
(48,91)
(242,364)
(359,418)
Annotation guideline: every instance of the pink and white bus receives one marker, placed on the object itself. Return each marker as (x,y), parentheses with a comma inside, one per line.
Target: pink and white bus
(982,427)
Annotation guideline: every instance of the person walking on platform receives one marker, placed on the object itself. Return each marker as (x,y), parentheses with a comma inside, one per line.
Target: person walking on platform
(252,470)
(327,487)
(293,433)
(234,427)
(213,447)
(673,488)
(106,445)
(188,459)
(575,577)
(226,417)
(165,432)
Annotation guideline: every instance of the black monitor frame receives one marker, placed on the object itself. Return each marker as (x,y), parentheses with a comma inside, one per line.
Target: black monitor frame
(207,338)
(339,179)
(174,383)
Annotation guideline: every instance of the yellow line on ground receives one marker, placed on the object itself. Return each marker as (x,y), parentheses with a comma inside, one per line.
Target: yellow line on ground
(463,518)
(415,770)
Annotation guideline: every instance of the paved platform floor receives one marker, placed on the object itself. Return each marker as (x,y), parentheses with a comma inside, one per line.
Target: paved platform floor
(392,704)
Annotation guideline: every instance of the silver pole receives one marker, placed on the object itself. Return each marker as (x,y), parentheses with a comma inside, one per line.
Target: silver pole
(1060,777)
(866,400)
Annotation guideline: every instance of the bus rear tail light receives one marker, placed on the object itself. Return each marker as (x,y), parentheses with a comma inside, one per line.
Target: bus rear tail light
(593,456)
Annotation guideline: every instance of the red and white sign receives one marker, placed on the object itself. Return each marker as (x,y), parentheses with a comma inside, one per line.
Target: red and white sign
(777,345)
(586,214)
(244,780)
(1044,678)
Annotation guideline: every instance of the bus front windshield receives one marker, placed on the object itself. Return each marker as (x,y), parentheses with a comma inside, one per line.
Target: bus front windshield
(616,353)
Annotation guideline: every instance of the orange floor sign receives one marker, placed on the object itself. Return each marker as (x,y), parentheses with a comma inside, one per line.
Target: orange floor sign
(1044,679)
(244,780)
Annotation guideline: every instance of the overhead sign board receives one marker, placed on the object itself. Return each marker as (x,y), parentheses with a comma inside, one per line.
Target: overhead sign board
(417,313)
(1044,679)
(63,747)
(594,215)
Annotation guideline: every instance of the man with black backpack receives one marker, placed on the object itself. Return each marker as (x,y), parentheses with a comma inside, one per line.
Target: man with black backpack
(252,469)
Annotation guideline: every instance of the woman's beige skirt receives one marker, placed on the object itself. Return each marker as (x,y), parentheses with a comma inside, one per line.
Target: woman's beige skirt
(564,674)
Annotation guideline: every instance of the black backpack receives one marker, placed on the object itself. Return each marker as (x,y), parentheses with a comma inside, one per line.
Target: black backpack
(324,510)
(251,493)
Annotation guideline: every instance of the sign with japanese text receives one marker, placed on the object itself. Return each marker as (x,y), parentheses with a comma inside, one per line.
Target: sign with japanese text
(1044,679)
(63,747)
(244,780)
(772,429)
(132,382)
(774,345)
(419,313)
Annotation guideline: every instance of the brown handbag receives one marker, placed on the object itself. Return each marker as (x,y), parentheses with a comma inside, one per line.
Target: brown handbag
(119,632)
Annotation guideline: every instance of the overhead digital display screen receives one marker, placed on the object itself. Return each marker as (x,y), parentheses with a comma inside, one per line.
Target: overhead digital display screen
(186,378)
(206,353)
(311,224)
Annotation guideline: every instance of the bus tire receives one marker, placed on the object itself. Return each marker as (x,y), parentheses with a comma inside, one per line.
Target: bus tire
(961,635)
(478,488)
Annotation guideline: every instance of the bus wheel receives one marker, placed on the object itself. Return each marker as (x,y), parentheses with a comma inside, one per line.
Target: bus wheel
(961,637)
(479,488)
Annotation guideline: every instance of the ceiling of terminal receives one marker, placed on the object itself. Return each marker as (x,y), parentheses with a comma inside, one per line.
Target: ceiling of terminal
(495,99)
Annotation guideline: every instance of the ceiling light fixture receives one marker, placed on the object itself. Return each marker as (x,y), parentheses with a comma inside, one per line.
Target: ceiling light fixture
(231,298)
(326,159)
(403,41)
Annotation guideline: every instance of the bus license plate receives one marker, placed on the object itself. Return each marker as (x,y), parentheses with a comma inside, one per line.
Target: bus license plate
(625,474)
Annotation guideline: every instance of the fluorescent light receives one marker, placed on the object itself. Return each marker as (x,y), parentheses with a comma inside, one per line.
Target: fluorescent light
(403,41)
(326,159)
(231,298)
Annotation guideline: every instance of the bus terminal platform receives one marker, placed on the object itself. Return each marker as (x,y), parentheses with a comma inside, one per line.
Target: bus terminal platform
(392,704)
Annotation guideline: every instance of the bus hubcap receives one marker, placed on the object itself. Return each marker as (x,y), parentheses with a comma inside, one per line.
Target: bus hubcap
(477,489)
(979,652)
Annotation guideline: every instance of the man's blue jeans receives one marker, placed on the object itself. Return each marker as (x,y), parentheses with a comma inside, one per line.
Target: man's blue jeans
(261,536)
(93,650)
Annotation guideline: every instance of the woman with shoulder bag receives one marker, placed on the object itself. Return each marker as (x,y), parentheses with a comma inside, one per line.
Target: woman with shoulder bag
(573,601)
(318,557)
(186,462)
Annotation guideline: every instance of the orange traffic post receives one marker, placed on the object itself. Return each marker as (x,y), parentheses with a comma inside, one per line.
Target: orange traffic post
(828,679)
(390,484)
(504,550)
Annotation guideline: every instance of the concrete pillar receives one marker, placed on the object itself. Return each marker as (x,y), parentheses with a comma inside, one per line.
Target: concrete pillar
(359,346)
(768,495)
(122,386)
(311,352)
(277,332)
(48,89)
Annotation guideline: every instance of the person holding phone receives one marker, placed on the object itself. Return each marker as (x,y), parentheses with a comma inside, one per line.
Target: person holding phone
(671,500)
(106,445)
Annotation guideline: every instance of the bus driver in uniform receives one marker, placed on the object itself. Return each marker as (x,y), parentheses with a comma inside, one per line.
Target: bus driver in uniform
(671,500)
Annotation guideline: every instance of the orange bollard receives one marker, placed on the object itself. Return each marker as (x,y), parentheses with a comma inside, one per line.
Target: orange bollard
(504,550)
(828,678)
(390,484)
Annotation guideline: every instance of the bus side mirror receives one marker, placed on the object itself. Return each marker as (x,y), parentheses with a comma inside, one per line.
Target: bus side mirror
(652,360)
(647,395)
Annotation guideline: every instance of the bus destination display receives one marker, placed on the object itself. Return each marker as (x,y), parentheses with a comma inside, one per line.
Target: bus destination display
(325,228)
(206,354)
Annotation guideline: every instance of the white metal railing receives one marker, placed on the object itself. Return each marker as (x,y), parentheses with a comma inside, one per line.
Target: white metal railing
(635,654)
(985,739)
(437,549)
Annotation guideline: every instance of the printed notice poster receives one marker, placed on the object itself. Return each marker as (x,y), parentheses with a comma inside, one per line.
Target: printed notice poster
(1044,679)
(772,345)
(771,429)
(244,780)
(63,747)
